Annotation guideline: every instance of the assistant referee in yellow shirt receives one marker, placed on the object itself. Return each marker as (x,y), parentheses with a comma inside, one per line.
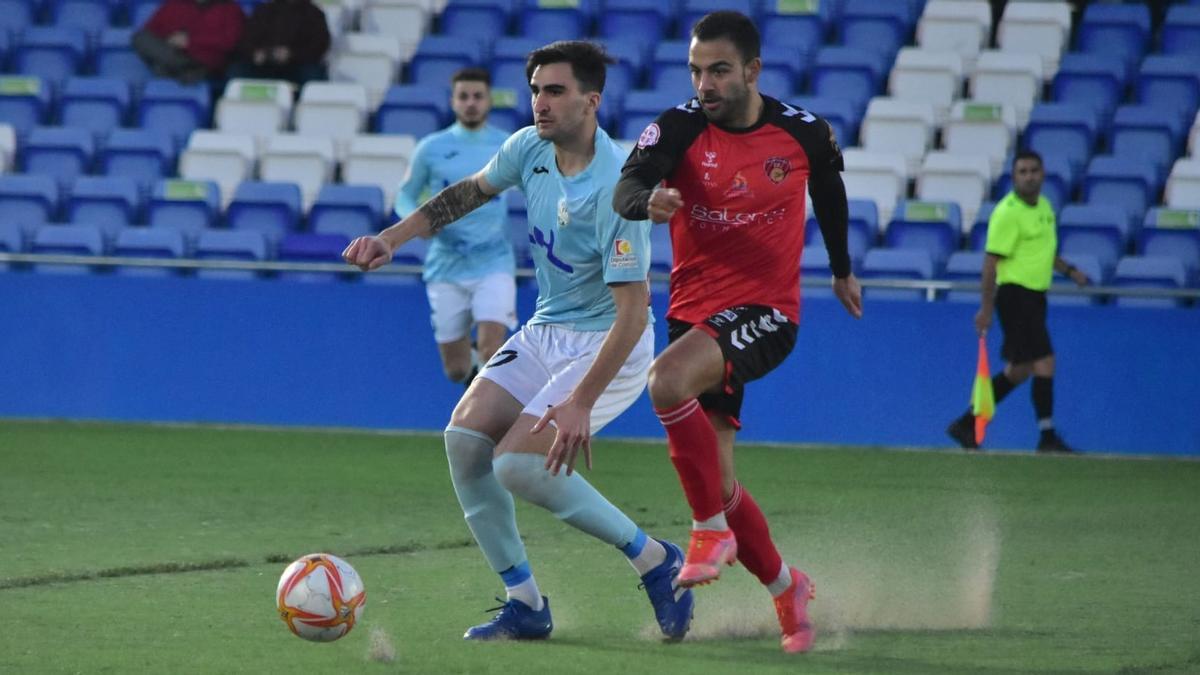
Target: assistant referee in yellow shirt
(1022,255)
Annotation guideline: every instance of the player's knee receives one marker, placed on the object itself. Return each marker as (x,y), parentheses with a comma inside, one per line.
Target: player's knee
(664,385)
(457,373)
(512,472)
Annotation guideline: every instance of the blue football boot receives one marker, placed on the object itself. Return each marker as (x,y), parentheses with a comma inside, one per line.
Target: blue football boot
(672,604)
(515,621)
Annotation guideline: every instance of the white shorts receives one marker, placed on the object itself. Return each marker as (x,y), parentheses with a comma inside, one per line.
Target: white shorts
(455,307)
(540,366)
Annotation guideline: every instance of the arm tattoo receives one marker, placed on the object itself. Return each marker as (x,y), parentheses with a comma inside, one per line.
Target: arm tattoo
(453,203)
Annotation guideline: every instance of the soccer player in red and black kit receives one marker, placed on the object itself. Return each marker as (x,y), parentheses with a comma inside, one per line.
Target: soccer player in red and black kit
(728,170)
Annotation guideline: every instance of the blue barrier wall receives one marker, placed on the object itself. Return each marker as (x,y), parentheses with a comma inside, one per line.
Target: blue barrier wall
(355,355)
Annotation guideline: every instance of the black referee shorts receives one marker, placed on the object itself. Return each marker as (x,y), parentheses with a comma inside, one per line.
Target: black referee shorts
(1023,319)
(754,339)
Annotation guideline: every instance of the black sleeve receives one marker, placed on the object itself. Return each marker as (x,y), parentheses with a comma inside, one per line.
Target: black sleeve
(658,150)
(833,215)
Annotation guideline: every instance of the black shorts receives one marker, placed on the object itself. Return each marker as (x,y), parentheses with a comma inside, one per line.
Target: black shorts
(754,340)
(1023,319)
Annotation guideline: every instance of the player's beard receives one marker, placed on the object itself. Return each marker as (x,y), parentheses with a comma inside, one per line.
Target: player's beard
(733,104)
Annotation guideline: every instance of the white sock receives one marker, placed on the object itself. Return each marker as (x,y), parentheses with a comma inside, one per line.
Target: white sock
(782,582)
(527,592)
(717,522)
(653,554)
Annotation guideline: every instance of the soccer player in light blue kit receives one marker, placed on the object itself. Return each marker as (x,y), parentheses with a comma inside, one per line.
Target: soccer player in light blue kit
(469,267)
(580,360)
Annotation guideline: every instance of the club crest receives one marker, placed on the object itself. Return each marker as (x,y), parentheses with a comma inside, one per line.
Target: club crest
(777,169)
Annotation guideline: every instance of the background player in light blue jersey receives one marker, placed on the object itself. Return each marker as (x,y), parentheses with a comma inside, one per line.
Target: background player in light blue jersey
(577,363)
(469,267)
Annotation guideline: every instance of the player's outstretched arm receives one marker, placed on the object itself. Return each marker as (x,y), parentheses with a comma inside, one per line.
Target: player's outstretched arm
(447,206)
(573,417)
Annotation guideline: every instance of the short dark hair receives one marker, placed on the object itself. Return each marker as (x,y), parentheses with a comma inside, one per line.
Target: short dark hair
(589,62)
(733,26)
(1026,153)
(471,74)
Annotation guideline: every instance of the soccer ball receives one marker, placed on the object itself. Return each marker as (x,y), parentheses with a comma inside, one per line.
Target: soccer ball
(320,597)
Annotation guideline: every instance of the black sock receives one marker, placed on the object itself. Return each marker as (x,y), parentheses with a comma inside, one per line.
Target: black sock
(1043,401)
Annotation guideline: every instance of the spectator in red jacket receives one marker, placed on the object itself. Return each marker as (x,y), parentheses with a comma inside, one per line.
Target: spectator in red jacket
(190,40)
(284,40)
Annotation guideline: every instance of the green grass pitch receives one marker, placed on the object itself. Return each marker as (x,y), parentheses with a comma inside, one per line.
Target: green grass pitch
(142,549)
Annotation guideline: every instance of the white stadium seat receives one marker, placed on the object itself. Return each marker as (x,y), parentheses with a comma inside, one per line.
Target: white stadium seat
(930,76)
(1007,77)
(904,127)
(8,147)
(337,110)
(981,128)
(307,161)
(1041,28)
(379,160)
(1183,185)
(880,177)
(224,158)
(404,22)
(962,26)
(257,107)
(372,60)
(962,179)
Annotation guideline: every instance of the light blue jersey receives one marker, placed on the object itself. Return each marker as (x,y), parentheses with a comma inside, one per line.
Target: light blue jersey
(578,243)
(477,244)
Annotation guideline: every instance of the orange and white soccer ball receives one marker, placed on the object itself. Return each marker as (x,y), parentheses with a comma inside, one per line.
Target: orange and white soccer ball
(320,597)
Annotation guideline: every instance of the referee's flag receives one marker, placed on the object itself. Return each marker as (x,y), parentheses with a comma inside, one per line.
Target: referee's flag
(983,401)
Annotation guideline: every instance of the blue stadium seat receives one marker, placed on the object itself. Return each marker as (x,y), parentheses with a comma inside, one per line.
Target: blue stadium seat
(109,202)
(693,10)
(1089,265)
(243,245)
(1066,129)
(1149,272)
(1181,30)
(1097,80)
(145,155)
(24,102)
(512,107)
(510,48)
(1061,180)
(1119,29)
(862,234)
(1175,233)
(315,248)
(177,109)
(115,58)
(411,109)
(673,78)
(977,238)
(69,239)
(790,61)
(1130,184)
(148,242)
(963,266)
(631,58)
(482,21)
(661,254)
(16,16)
(272,208)
(62,152)
(438,57)
(1171,82)
(348,210)
(644,106)
(842,114)
(28,199)
(814,262)
(1096,230)
(935,227)
(635,20)
(12,239)
(844,72)
(877,26)
(140,12)
(1149,132)
(53,53)
(190,206)
(806,30)
(97,104)
(897,263)
(563,20)
(89,16)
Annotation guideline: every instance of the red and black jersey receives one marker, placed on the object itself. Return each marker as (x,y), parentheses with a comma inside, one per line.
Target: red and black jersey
(738,237)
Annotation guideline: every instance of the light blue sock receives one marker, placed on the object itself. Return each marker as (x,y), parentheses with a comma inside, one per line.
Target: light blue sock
(571,498)
(487,506)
